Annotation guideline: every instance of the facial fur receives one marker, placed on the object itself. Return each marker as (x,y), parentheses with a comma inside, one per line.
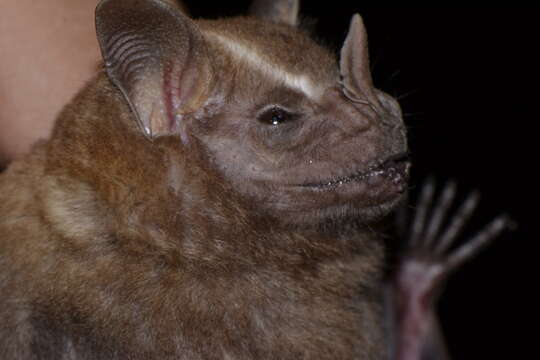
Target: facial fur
(326,138)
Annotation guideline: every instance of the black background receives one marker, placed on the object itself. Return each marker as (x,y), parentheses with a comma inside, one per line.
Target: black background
(467,82)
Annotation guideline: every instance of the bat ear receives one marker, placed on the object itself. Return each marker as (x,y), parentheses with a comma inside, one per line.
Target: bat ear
(284,11)
(354,64)
(156,56)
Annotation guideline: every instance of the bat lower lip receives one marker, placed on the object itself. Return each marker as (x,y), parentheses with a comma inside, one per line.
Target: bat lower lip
(394,170)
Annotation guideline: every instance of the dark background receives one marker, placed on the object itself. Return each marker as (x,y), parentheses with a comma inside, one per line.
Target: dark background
(467,82)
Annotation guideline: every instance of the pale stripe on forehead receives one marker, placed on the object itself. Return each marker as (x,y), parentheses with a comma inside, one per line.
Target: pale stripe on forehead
(298,82)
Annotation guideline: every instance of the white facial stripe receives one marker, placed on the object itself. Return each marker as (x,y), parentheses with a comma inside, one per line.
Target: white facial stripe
(298,82)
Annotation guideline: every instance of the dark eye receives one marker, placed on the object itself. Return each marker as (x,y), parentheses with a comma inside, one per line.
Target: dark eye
(275,116)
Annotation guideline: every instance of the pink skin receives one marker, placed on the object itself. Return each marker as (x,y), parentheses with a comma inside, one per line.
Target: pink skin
(49,50)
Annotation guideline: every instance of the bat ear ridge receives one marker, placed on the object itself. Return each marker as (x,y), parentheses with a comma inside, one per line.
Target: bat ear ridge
(354,64)
(156,56)
(281,11)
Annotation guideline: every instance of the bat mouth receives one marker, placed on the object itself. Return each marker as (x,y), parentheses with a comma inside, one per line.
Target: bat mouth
(394,169)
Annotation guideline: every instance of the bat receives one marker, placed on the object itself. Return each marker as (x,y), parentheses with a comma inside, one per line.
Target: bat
(215,193)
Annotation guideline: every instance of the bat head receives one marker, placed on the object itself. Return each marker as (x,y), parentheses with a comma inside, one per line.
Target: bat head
(291,128)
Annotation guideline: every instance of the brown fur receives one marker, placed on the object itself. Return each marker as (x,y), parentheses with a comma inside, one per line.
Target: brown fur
(114,246)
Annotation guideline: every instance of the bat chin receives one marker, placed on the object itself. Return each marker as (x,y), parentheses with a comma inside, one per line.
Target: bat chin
(341,216)
(366,209)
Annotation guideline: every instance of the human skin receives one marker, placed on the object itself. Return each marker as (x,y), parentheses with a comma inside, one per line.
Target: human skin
(48,51)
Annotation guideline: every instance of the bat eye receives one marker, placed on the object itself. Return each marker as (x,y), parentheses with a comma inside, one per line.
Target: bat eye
(275,116)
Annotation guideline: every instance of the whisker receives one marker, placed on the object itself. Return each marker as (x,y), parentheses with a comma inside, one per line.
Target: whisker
(406,95)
